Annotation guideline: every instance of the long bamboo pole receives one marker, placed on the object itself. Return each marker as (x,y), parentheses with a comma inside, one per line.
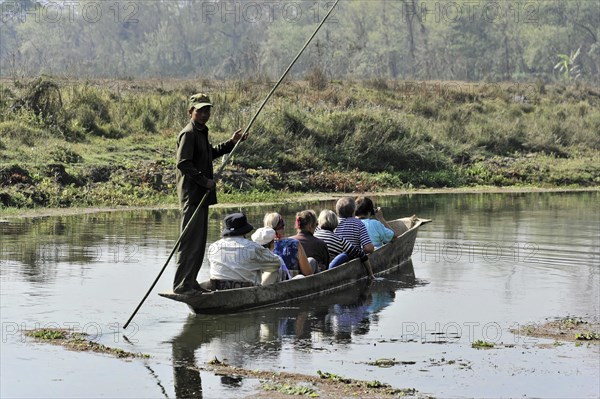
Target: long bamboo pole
(226,159)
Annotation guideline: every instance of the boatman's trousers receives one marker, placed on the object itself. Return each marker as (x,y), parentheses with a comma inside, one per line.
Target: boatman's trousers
(191,249)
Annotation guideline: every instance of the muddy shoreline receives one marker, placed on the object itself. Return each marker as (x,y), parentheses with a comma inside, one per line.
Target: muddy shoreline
(276,385)
(574,329)
(46,212)
(78,342)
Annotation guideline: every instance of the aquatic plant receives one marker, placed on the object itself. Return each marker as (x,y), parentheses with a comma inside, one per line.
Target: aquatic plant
(78,342)
(480,344)
(217,362)
(383,362)
(290,389)
(47,334)
(333,377)
(587,336)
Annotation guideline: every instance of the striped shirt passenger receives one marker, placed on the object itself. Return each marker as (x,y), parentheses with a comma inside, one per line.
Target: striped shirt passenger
(350,228)
(354,231)
(337,245)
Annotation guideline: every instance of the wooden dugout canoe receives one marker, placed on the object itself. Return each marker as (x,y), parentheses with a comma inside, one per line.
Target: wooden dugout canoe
(384,260)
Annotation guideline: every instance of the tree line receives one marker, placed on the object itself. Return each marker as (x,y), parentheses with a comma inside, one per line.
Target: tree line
(471,40)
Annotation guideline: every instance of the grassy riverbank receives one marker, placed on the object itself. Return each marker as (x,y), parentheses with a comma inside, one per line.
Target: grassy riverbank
(112,143)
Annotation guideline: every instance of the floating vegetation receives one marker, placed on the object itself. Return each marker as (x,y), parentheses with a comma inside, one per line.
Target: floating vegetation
(570,328)
(78,342)
(587,336)
(217,362)
(290,389)
(461,363)
(48,334)
(333,377)
(480,344)
(384,362)
(325,384)
(366,384)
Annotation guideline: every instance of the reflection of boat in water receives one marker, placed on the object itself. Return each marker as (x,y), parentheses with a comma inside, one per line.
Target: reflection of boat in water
(326,316)
(262,333)
(385,260)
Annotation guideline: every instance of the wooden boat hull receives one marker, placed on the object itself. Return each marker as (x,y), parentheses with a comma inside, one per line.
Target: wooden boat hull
(385,260)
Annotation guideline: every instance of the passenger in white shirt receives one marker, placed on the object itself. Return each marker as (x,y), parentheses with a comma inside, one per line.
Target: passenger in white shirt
(237,262)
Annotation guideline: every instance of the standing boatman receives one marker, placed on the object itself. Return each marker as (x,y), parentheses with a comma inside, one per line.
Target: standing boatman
(194,175)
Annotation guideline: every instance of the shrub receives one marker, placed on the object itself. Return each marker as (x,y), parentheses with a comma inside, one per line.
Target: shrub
(377,83)
(65,155)
(147,122)
(317,79)
(18,130)
(91,100)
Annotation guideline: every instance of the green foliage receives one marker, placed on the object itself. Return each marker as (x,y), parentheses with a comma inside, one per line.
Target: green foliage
(479,344)
(587,336)
(119,143)
(25,133)
(47,334)
(567,66)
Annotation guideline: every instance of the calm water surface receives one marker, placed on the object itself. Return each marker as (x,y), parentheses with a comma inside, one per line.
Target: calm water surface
(488,264)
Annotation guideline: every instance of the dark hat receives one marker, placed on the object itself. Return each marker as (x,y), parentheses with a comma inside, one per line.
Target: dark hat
(236,224)
(200,100)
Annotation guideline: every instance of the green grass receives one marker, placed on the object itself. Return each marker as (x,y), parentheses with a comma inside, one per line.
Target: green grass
(102,147)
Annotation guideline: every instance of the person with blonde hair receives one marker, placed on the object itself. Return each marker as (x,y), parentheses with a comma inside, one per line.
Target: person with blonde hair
(289,249)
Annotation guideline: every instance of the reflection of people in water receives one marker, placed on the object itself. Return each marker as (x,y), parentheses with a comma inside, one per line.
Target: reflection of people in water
(343,320)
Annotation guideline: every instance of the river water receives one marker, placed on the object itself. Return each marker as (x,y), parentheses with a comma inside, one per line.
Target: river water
(488,265)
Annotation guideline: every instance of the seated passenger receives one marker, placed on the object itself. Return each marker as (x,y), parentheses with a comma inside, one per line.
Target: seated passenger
(265,236)
(378,228)
(236,262)
(340,250)
(289,249)
(315,249)
(350,228)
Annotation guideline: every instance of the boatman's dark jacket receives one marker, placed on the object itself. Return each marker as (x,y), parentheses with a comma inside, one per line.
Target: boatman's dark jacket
(195,164)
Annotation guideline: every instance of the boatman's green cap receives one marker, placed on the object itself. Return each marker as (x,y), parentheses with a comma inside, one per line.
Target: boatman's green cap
(199,100)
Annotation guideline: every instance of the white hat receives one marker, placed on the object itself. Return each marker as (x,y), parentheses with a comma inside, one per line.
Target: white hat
(263,236)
